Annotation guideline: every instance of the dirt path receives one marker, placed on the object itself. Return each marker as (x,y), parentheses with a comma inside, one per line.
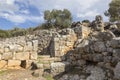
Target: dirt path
(18,75)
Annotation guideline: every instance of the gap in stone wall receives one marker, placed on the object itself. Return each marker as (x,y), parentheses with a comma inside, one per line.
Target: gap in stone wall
(23,64)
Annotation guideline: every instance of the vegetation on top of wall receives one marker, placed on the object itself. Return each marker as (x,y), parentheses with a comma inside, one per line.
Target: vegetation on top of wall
(114,11)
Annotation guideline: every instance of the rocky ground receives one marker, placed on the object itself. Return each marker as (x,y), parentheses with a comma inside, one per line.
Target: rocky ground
(18,75)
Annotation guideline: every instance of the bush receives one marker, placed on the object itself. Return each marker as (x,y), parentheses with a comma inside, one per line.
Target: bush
(57,19)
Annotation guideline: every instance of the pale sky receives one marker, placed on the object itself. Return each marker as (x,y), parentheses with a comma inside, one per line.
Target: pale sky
(29,13)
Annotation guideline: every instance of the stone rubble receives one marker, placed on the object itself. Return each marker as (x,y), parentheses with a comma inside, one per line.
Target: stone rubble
(15,50)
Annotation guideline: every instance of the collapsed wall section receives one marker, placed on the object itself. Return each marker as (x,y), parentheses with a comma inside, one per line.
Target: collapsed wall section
(102,54)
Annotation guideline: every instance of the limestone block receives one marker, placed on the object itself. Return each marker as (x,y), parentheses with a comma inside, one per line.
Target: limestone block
(6,49)
(14,63)
(57,53)
(83,44)
(64,37)
(81,62)
(19,48)
(69,44)
(29,46)
(40,66)
(56,45)
(56,39)
(35,45)
(12,47)
(3,63)
(59,67)
(22,56)
(85,31)
(33,55)
(96,74)
(7,56)
(28,63)
(46,66)
(99,47)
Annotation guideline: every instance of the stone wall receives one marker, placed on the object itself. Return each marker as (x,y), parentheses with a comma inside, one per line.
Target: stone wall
(44,37)
(95,53)
(82,31)
(61,43)
(102,54)
(18,52)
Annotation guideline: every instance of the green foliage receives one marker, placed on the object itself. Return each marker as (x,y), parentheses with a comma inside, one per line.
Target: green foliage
(57,18)
(86,21)
(4,34)
(114,11)
(3,71)
(12,33)
(49,77)
(17,32)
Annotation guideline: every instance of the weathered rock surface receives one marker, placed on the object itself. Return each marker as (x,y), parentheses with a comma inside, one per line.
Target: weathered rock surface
(117,71)
(59,67)
(13,51)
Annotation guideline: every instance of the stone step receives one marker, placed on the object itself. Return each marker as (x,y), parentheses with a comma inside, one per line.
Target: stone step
(44,56)
(50,59)
(45,62)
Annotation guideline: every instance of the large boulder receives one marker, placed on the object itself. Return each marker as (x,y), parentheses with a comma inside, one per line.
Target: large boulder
(59,67)
(114,43)
(103,36)
(96,74)
(99,46)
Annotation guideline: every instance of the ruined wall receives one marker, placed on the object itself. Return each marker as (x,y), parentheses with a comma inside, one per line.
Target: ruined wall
(97,54)
(61,43)
(17,51)
(44,37)
(82,31)
(102,54)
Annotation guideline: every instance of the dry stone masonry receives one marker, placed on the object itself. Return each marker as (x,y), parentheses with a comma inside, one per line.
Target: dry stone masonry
(62,43)
(95,56)
(17,51)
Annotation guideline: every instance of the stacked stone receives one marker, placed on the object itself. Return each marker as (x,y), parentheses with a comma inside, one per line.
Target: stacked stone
(82,31)
(98,53)
(14,51)
(98,24)
(61,44)
(44,37)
